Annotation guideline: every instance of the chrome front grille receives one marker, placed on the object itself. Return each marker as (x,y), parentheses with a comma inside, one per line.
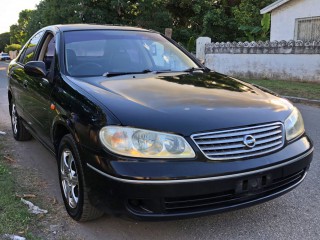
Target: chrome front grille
(241,142)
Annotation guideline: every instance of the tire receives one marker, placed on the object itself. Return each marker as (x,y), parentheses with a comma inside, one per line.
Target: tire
(73,185)
(20,133)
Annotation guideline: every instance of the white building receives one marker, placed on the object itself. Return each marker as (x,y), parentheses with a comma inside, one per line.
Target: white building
(294,20)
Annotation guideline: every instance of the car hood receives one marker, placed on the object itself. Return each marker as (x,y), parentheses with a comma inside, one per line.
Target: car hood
(185,103)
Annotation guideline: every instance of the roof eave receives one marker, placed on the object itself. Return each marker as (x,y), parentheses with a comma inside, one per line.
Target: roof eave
(273,6)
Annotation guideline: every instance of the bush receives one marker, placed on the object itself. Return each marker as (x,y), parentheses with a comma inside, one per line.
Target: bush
(192,45)
(12,47)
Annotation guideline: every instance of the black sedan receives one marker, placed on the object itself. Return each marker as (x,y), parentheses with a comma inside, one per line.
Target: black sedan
(140,128)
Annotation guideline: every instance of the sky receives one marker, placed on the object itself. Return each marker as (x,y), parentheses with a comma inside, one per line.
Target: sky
(9,11)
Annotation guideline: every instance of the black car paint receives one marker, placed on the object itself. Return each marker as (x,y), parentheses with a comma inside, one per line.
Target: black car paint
(184,97)
(168,102)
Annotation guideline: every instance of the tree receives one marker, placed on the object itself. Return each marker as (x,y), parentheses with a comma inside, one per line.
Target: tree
(222,20)
(4,40)
(151,15)
(186,18)
(218,25)
(18,32)
(247,15)
(14,33)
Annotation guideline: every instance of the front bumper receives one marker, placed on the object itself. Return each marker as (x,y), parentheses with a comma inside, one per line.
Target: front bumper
(171,197)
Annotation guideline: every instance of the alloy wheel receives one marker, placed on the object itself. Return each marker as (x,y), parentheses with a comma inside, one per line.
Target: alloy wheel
(69,178)
(14,119)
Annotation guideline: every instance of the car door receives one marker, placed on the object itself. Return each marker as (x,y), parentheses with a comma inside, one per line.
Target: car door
(19,77)
(39,92)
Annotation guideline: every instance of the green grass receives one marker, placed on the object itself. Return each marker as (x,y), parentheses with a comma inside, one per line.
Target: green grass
(14,216)
(290,88)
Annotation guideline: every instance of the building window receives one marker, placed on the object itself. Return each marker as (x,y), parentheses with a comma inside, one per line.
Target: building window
(307,29)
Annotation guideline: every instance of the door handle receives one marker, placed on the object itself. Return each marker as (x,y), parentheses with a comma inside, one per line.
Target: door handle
(25,84)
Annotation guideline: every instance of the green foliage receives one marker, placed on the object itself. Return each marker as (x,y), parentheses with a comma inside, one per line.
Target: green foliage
(4,40)
(255,33)
(3,170)
(265,25)
(219,25)
(222,20)
(14,33)
(19,32)
(12,47)
(250,32)
(192,44)
(151,15)
(248,17)
(247,13)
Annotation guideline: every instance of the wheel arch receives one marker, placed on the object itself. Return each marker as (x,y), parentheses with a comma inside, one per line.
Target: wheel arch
(60,128)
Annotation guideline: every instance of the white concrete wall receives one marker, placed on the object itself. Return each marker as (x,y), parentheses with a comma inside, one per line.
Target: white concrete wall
(301,67)
(200,48)
(283,18)
(13,54)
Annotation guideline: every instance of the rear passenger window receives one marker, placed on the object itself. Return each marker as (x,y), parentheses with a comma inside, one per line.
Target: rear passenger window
(30,49)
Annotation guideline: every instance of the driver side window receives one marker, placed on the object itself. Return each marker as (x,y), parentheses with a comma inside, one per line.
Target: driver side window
(30,49)
(47,51)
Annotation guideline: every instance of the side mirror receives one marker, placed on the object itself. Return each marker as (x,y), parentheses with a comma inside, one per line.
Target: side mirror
(35,69)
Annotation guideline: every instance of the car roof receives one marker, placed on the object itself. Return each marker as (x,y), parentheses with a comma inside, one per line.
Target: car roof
(74,27)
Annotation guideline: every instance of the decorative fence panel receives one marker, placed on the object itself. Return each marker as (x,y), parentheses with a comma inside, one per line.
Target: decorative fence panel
(292,60)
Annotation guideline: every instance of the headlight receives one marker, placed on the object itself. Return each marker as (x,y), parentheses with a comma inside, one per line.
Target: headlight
(141,143)
(294,125)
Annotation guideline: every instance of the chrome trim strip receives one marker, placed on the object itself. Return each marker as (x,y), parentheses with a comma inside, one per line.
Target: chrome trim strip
(239,139)
(199,179)
(238,131)
(268,140)
(253,150)
(267,134)
(232,140)
(243,154)
(228,147)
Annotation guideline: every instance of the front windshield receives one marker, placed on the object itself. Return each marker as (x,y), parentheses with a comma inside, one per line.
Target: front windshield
(97,52)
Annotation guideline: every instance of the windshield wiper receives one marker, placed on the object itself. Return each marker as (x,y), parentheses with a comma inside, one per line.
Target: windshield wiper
(114,74)
(192,69)
(163,70)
